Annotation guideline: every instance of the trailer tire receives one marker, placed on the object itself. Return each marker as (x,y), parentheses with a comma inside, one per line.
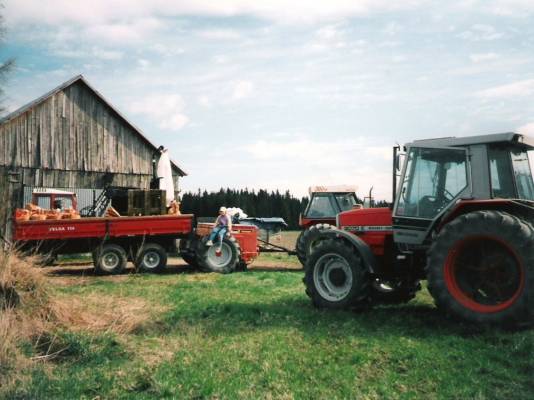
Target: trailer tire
(152,257)
(188,252)
(110,259)
(224,263)
(481,269)
(308,239)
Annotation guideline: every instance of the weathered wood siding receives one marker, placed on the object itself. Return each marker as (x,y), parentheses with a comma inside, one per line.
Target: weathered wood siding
(73,130)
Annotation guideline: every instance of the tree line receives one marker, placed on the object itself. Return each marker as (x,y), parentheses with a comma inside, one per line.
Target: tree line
(261,203)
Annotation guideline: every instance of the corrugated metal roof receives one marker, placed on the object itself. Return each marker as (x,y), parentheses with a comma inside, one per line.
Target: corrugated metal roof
(80,78)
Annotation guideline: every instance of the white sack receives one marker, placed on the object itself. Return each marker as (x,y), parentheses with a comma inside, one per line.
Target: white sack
(165,173)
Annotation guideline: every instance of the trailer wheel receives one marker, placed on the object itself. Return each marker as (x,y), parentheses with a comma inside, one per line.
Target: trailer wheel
(308,239)
(110,259)
(187,249)
(336,277)
(151,258)
(481,269)
(225,261)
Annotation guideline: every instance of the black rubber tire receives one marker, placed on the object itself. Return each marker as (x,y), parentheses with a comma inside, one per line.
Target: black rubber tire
(399,295)
(515,234)
(358,295)
(205,256)
(188,252)
(113,249)
(157,251)
(308,239)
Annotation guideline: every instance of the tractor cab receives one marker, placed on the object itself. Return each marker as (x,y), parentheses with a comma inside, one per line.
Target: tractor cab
(54,199)
(439,173)
(326,202)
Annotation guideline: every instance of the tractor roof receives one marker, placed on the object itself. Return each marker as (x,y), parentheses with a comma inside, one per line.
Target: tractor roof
(333,189)
(505,138)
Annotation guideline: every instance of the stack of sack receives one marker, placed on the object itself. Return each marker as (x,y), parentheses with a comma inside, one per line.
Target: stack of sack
(36,213)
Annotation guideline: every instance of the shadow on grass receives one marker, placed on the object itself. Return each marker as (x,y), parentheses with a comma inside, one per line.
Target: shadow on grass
(88,270)
(294,313)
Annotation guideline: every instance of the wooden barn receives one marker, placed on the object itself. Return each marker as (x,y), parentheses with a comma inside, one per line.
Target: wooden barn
(71,137)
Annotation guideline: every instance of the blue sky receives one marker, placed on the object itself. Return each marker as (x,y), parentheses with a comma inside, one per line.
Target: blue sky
(264,94)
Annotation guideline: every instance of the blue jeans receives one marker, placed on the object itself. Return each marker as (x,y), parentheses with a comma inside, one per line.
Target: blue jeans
(219,231)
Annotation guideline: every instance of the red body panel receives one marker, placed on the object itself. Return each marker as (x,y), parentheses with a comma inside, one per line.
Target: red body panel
(372,225)
(307,222)
(246,235)
(100,227)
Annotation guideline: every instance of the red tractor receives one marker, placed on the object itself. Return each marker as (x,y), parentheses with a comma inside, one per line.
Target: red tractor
(461,219)
(325,203)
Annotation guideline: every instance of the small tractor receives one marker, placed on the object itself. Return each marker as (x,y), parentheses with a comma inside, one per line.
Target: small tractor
(325,203)
(461,218)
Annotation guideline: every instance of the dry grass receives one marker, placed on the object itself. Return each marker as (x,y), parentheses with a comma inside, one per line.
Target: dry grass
(25,312)
(31,315)
(94,314)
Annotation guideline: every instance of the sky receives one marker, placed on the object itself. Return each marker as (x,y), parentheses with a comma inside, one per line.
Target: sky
(278,95)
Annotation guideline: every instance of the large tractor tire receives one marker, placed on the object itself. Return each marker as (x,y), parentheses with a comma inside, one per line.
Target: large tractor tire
(224,261)
(151,258)
(110,259)
(397,294)
(336,277)
(481,269)
(308,239)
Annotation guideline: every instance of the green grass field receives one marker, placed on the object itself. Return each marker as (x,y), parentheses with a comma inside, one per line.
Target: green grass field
(256,335)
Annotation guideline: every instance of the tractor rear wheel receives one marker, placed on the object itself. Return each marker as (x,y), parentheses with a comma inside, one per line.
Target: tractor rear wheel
(481,269)
(223,259)
(335,276)
(308,239)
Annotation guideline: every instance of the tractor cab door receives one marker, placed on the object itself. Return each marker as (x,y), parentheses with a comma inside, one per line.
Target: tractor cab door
(432,180)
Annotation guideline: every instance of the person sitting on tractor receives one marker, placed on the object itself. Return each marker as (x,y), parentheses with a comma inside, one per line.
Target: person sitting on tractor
(223,226)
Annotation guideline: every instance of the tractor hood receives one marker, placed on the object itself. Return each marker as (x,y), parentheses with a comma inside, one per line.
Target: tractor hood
(365,219)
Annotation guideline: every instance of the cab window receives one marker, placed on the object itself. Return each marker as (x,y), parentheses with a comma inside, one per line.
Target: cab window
(433,178)
(321,207)
(346,201)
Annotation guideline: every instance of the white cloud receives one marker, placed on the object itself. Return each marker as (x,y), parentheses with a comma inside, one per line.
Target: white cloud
(302,162)
(220,34)
(166,109)
(520,88)
(483,57)
(481,32)
(105,11)
(242,90)
(527,129)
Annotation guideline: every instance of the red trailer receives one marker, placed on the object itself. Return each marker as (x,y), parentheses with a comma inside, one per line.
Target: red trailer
(145,240)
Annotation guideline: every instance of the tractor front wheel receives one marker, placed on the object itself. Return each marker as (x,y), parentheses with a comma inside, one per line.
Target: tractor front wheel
(336,277)
(308,239)
(481,269)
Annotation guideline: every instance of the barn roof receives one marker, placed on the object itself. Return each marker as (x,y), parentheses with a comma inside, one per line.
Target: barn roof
(80,78)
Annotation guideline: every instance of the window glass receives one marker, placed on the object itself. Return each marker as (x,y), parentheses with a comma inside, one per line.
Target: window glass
(502,183)
(66,202)
(523,175)
(321,206)
(43,202)
(346,201)
(433,178)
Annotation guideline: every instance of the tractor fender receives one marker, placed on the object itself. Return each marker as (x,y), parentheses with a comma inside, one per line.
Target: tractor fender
(361,247)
